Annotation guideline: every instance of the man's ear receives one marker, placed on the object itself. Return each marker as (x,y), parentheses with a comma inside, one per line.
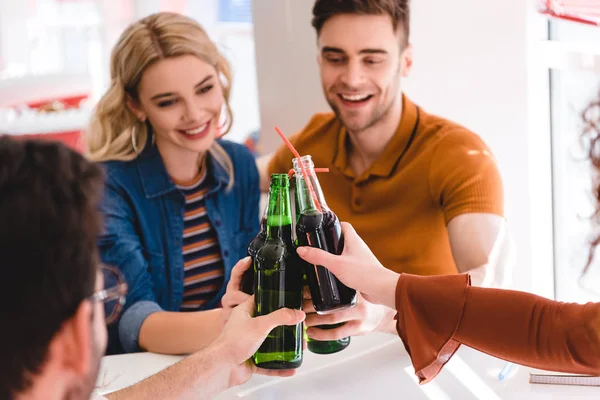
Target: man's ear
(406,60)
(135,108)
(74,340)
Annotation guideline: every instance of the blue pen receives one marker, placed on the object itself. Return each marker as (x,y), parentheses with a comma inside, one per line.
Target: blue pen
(507,370)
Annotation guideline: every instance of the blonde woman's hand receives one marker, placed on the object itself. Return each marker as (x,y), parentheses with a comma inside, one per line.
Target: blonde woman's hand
(233,294)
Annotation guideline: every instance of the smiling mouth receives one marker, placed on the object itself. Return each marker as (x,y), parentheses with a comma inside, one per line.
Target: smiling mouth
(198,131)
(355,98)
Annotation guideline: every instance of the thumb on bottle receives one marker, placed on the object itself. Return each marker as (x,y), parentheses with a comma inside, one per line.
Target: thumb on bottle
(319,257)
(247,306)
(243,264)
(284,316)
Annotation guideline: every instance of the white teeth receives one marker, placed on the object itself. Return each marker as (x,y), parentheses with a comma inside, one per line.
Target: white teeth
(355,97)
(197,130)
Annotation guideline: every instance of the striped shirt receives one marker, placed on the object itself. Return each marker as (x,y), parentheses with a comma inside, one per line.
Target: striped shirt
(202,262)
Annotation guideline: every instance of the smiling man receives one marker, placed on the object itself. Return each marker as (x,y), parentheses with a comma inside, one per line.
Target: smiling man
(424,192)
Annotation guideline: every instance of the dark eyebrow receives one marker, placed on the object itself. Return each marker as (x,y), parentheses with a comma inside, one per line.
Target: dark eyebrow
(337,50)
(329,49)
(372,51)
(158,96)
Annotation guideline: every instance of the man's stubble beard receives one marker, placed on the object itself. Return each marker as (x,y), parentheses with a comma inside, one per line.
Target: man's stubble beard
(380,112)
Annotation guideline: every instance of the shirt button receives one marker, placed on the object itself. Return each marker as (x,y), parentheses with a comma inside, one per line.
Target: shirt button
(226,253)
(218,223)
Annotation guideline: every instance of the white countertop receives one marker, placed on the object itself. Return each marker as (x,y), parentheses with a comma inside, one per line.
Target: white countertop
(375,366)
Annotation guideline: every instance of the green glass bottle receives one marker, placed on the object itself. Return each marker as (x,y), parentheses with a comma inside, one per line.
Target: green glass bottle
(278,281)
(255,245)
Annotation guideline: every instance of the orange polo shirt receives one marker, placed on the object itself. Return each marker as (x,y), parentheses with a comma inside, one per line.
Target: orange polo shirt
(400,206)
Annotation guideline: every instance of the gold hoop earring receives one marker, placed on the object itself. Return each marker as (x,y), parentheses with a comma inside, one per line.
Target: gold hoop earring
(150,132)
(134,139)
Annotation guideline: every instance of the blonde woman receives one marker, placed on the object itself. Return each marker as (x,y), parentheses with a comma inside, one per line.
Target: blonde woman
(180,205)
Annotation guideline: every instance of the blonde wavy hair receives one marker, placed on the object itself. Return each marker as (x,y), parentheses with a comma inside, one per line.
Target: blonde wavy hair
(156,37)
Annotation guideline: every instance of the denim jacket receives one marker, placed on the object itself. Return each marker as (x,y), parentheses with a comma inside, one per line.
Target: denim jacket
(143,217)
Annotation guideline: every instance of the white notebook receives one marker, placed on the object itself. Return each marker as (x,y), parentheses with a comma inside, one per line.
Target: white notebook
(561,378)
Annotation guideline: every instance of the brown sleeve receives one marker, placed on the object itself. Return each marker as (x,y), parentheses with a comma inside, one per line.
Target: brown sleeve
(464,177)
(429,311)
(438,314)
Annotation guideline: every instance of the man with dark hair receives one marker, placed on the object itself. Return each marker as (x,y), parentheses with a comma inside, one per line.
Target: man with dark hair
(423,192)
(54,331)
(398,10)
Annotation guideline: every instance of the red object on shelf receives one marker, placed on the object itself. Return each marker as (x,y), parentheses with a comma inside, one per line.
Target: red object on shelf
(67,102)
(581,11)
(73,139)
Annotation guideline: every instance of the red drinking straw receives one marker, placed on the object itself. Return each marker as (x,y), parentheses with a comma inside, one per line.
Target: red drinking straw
(297,155)
(291,172)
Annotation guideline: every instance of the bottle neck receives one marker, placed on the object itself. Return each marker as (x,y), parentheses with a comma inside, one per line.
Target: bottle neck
(304,199)
(279,214)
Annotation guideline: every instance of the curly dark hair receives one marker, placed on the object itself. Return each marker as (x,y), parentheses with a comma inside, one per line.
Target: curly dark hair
(591,133)
(49,222)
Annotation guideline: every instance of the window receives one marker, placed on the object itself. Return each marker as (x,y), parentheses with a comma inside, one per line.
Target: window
(53,48)
(235,11)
